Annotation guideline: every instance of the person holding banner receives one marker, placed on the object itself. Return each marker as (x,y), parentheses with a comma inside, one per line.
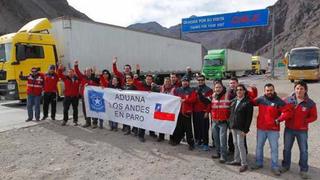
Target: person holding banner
(174,80)
(87,79)
(71,94)
(115,84)
(201,114)
(184,126)
(166,88)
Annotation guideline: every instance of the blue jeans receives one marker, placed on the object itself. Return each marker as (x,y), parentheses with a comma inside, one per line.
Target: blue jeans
(273,138)
(302,138)
(33,101)
(219,130)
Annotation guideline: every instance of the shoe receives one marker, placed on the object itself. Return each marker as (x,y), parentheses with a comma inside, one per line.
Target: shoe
(233,163)
(215,156)
(191,147)
(63,123)
(37,119)
(44,118)
(154,136)
(100,127)
(256,167)
(205,147)
(283,169)
(75,124)
(28,120)
(86,125)
(110,129)
(276,172)
(127,133)
(222,160)
(243,168)
(304,175)
(94,126)
(160,140)
(172,143)
(115,129)
(53,118)
(142,139)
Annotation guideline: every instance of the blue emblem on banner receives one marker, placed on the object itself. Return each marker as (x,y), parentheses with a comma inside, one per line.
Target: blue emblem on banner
(96,102)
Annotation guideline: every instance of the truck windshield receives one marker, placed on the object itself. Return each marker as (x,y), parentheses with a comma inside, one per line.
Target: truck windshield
(5,50)
(304,58)
(255,62)
(213,62)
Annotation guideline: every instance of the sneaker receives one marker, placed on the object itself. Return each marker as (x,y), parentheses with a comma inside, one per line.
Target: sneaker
(222,160)
(86,125)
(75,124)
(172,143)
(160,140)
(142,139)
(63,123)
(100,127)
(44,118)
(127,132)
(94,126)
(53,118)
(205,147)
(283,169)
(243,168)
(28,120)
(111,129)
(191,147)
(256,167)
(115,129)
(37,119)
(154,136)
(276,172)
(215,156)
(233,163)
(304,175)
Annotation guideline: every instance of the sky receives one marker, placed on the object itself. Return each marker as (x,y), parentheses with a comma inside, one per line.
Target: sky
(166,12)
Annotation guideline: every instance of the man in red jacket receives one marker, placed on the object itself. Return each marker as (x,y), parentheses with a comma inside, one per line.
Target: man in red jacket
(272,110)
(304,112)
(184,126)
(220,112)
(34,89)
(201,114)
(71,94)
(87,79)
(127,71)
(50,92)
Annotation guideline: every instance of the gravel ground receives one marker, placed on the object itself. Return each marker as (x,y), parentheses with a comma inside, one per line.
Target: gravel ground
(50,151)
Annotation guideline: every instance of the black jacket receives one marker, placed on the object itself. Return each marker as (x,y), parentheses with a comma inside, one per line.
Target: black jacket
(241,117)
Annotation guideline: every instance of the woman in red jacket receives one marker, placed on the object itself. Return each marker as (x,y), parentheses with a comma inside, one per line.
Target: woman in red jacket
(304,112)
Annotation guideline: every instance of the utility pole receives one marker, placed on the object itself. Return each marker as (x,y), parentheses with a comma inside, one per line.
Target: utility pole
(273,41)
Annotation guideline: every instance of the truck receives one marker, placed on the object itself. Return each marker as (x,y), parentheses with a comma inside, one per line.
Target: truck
(41,43)
(303,63)
(226,63)
(259,65)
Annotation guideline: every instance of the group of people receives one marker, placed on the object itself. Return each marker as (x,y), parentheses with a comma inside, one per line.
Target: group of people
(228,111)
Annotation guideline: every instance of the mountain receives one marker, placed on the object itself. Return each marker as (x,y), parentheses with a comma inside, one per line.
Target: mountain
(16,13)
(296,24)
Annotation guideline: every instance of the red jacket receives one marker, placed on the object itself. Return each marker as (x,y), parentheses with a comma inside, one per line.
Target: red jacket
(303,113)
(85,81)
(190,97)
(199,106)
(71,85)
(104,82)
(118,74)
(34,84)
(269,111)
(50,82)
(220,109)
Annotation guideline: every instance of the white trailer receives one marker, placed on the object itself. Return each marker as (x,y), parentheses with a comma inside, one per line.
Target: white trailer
(238,63)
(96,44)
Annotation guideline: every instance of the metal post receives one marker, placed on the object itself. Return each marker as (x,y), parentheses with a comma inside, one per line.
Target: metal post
(273,41)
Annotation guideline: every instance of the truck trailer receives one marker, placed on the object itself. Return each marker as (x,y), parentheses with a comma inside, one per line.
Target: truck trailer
(226,63)
(41,43)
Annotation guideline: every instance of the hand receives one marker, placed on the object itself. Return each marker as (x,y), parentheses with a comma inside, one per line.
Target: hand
(243,133)
(76,62)
(183,100)
(206,115)
(137,66)
(114,60)
(60,67)
(153,84)
(277,121)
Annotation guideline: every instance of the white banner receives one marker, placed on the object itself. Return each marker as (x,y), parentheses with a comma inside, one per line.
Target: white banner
(151,111)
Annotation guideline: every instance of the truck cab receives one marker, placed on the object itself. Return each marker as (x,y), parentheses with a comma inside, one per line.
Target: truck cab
(303,64)
(255,65)
(31,46)
(213,64)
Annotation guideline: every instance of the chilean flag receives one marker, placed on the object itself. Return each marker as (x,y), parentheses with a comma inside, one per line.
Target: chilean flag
(162,115)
